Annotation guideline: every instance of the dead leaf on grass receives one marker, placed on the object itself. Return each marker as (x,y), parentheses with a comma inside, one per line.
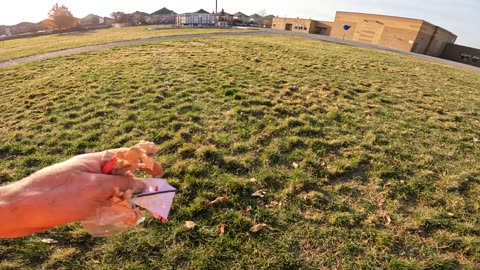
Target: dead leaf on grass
(49,241)
(246,212)
(380,203)
(272,204)
(260,193)
(218,200)
(295,165)
(190,224)
(253,180)
(222,229)
(386,218)
(258,227)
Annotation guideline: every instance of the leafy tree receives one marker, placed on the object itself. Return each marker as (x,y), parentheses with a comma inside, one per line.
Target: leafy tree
(139,18)
(60,17)
(120,17)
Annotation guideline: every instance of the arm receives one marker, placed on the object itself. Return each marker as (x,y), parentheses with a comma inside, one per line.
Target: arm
(59,194)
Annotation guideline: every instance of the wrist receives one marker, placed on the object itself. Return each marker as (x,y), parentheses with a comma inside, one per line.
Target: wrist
(18,211)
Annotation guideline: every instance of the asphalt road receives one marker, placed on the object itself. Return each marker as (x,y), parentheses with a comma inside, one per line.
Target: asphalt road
(263,31)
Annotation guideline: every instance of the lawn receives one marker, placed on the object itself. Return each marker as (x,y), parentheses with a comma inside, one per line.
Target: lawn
(16,48)
(368,159)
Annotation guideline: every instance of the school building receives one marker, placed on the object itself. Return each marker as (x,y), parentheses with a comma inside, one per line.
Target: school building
(406,34)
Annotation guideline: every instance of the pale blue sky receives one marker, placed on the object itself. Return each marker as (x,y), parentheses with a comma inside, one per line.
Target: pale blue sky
(460,17)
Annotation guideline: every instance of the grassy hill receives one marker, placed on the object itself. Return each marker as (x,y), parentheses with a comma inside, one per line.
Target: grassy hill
(16,48)
(368,159)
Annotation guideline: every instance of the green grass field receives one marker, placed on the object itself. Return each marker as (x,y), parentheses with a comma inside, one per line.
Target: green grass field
(16,48)
(387,149)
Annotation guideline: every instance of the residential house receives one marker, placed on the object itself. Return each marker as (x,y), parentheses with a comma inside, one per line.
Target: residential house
(162,16)
(224,19)
(267,21)
(3,30)
(200,18)
(138,17)
(240,19)
(255,19)
(91,20)
(26,27)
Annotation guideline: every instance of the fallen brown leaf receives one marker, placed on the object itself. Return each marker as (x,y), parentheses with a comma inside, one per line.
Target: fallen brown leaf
(190,224)
(49,241)
(222,229)
(295,165)
(272,204)
(218,200)
(386,218)
(380,203)
(246,212)
(260,193)
(258,227)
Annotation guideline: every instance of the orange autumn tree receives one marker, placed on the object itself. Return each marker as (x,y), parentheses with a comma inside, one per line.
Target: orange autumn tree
(60,17)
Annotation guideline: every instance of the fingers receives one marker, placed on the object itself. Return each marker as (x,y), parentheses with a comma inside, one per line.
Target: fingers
(107,183)
(100,156)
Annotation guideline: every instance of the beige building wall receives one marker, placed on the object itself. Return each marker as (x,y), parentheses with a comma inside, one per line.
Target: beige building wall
(432,40)
(393,32)
(323,27)
(294,25)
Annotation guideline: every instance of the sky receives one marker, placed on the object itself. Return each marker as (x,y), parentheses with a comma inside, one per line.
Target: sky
(460,16)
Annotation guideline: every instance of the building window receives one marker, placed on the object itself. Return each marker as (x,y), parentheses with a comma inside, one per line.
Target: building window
(475,59)
(465,57)
(274,25)
(296,26)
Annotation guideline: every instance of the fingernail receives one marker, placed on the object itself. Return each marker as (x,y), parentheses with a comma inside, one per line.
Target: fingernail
(139,186)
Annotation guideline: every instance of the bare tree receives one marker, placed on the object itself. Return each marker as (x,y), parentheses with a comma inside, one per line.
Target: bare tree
(262,12)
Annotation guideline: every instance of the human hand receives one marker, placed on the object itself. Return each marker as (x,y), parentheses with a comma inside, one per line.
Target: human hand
(59,194)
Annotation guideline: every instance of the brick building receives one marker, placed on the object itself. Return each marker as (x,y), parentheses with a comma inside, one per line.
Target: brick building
(463,54)
(399,33)
(302,25)
(405,34)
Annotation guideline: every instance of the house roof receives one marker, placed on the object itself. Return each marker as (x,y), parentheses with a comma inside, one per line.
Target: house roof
(256,16)
(202,11)
(240,14)
(223,13)
(90,16)
(139,13)
(164,11)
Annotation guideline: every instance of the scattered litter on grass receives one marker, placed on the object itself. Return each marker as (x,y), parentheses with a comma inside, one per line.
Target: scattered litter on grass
(260,193)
